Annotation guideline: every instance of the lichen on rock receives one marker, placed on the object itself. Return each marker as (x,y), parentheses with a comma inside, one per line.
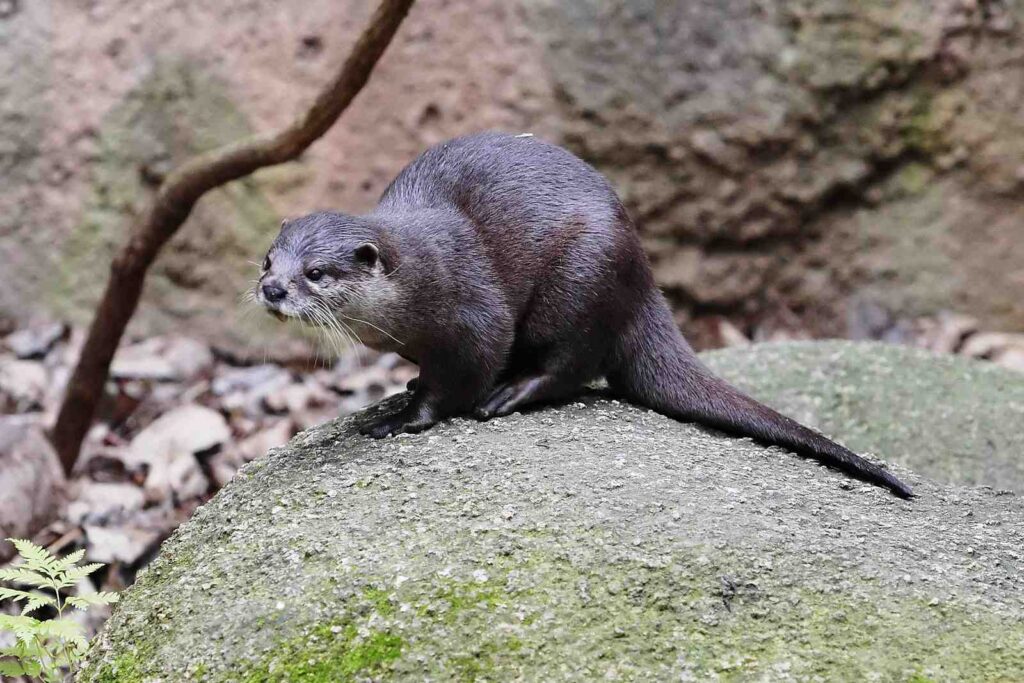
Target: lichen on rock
(591,540)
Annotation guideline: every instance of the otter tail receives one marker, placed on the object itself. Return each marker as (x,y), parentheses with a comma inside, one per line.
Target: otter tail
(656,367)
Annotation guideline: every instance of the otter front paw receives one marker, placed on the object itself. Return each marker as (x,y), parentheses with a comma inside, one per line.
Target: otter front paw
(409,420)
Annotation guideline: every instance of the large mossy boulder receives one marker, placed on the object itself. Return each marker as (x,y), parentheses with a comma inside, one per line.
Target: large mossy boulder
(594,540)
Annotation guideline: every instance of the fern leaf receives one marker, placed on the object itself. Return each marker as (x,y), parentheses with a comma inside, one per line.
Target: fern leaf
(60,628)
(36,557)
(23,576)
(28,653)
(69,561)
(33,600)
(12,668)
(75,574)
(9,622)
(14,594)
(33,667)
(64,629)
(83,602)
(24,630)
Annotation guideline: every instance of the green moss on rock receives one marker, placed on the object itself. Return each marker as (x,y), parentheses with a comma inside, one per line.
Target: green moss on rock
(331,652)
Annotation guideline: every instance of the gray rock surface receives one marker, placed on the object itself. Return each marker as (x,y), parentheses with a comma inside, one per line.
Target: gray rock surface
(808,153)
(34,342)
(33,481)
(23,385)
(169,447)
(947,418)
(593,540)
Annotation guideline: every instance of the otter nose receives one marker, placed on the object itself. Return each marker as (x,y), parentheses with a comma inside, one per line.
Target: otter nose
(273,293)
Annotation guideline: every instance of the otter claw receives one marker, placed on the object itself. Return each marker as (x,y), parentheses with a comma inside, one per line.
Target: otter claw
(404,421)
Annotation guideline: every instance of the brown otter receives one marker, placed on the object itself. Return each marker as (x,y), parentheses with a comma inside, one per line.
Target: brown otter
(509,271)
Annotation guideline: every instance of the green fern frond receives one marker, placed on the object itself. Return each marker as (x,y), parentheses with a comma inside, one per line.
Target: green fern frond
(64,629)
(23,627)
(24,576)
(83,602)
(17,596)
(9,622)
(32,600)
(75,574)
(36,557)
(33,667)
(24,651)
(29,656)
(69,561)
(45,649)
(12,668)
(35,602)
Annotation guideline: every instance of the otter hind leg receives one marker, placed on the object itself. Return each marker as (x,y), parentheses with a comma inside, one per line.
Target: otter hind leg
(560,373)
(522,391)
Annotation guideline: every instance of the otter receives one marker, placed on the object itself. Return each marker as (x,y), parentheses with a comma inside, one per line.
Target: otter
(509,271)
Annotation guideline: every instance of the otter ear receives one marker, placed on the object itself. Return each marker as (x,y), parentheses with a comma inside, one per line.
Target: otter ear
(368,254)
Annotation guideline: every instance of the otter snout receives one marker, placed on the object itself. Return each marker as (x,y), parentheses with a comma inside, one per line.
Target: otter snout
(274,292)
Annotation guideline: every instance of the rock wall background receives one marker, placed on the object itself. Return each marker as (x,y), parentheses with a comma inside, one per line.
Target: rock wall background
(817,165)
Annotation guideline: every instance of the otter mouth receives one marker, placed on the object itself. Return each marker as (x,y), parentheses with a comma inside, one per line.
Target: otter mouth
(276,313)
(287,317)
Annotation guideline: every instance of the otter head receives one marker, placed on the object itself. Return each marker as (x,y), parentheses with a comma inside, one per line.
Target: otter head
(325,266)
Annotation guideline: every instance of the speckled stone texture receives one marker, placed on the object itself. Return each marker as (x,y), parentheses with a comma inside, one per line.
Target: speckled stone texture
(594,540)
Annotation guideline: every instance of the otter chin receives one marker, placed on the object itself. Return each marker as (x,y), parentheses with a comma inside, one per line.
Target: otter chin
(271,308)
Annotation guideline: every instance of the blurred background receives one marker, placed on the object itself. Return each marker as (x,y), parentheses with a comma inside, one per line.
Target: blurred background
(797,169)
(823,167)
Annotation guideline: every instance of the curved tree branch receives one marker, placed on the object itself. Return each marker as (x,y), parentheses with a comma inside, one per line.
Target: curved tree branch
(172,205)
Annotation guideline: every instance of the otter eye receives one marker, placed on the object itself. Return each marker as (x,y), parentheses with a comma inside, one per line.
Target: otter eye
(314,274)
(266,262)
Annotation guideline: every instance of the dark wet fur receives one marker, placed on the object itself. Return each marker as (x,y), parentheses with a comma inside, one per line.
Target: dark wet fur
(521,277)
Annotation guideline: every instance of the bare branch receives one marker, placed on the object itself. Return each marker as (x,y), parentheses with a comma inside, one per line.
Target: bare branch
(173,203)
